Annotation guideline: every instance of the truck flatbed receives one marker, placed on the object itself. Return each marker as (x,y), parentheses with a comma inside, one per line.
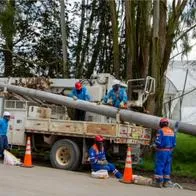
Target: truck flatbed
(115,132)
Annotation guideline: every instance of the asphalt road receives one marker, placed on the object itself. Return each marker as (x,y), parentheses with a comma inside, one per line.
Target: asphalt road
(45,181)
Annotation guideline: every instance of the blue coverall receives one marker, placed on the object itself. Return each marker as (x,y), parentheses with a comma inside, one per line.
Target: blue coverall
(3,135)
(165,143)
(117,97)
(95,155)
(82,95)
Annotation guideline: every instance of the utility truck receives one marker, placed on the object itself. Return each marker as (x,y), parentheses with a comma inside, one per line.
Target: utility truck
(38,109)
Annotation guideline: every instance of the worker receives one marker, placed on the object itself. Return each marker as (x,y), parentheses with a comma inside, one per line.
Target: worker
(164,144)
(116,97)
(98,159)
(80,92)
(3,132)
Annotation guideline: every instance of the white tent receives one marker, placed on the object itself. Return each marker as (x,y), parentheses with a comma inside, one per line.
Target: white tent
(181,79)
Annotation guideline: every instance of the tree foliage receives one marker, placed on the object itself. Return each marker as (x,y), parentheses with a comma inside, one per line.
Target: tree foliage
(127,38)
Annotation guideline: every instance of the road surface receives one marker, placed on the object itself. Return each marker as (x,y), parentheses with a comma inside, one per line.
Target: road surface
(45,181)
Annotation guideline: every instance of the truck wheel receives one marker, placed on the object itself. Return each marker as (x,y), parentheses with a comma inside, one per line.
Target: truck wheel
(65,154)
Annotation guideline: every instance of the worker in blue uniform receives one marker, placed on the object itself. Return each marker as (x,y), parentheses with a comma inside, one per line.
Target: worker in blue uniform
(165,143)
(116,97)
(80,92)
(98,159)
(3,132)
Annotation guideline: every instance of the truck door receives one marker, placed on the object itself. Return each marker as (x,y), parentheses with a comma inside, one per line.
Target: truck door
(17,109)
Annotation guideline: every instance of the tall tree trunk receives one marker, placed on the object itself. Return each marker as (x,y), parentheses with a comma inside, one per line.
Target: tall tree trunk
(8,31)
(130,37)
(64,39)
(8,58)
(114,18)
(154,102)
(173,23)
(87,41)
(97,48)
(143,34)
(162,43)
(79,44)
(130,32)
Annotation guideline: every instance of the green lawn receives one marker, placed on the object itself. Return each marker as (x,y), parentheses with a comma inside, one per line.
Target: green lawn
(184,160)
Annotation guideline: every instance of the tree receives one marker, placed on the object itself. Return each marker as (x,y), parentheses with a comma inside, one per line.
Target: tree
(116,53)
(64,39)
(79,44)
(149,45)
(8,31)
(127,38)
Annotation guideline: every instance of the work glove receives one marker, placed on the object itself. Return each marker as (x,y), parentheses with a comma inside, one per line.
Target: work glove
(176,126)
(105,162)
(102,162)
(122,104)
(153,146)
(110,102)
(100,102)
(75,98)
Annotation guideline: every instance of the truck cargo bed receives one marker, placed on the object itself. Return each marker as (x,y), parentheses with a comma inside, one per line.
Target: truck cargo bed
(118,133)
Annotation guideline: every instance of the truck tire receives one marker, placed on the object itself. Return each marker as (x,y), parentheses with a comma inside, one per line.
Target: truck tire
(65,154)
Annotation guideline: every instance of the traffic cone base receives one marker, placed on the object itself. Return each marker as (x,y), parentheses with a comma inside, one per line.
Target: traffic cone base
(28,158)
(27,166)
(125,182)
(128,173)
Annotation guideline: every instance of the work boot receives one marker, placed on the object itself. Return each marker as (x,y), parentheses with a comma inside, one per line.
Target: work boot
(157,184)
(118,175)
(168,184)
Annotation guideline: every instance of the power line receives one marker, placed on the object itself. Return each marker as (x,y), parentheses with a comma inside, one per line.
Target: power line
(182,95)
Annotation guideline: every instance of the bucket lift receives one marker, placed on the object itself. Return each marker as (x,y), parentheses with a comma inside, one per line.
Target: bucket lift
(140,89)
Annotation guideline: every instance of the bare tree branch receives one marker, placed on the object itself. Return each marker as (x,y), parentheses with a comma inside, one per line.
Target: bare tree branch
(184,33)
(181,52)
(25,60)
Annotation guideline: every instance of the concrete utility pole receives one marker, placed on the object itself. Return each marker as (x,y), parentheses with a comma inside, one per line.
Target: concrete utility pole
(138,118)
(64,39)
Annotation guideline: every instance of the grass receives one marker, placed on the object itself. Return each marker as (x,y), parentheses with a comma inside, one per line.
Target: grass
(184,158)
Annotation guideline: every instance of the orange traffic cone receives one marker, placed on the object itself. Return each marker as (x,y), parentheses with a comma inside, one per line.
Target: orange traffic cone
(28,158)
(128,173)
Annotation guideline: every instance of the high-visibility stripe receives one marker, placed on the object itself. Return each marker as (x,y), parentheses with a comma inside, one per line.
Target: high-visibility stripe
(158,176)
(128,165)
(28,147)
(115,171)
(167,131)
(164,149)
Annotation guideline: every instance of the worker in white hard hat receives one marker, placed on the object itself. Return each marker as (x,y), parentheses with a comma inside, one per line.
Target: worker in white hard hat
(117,96)
(3,132)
